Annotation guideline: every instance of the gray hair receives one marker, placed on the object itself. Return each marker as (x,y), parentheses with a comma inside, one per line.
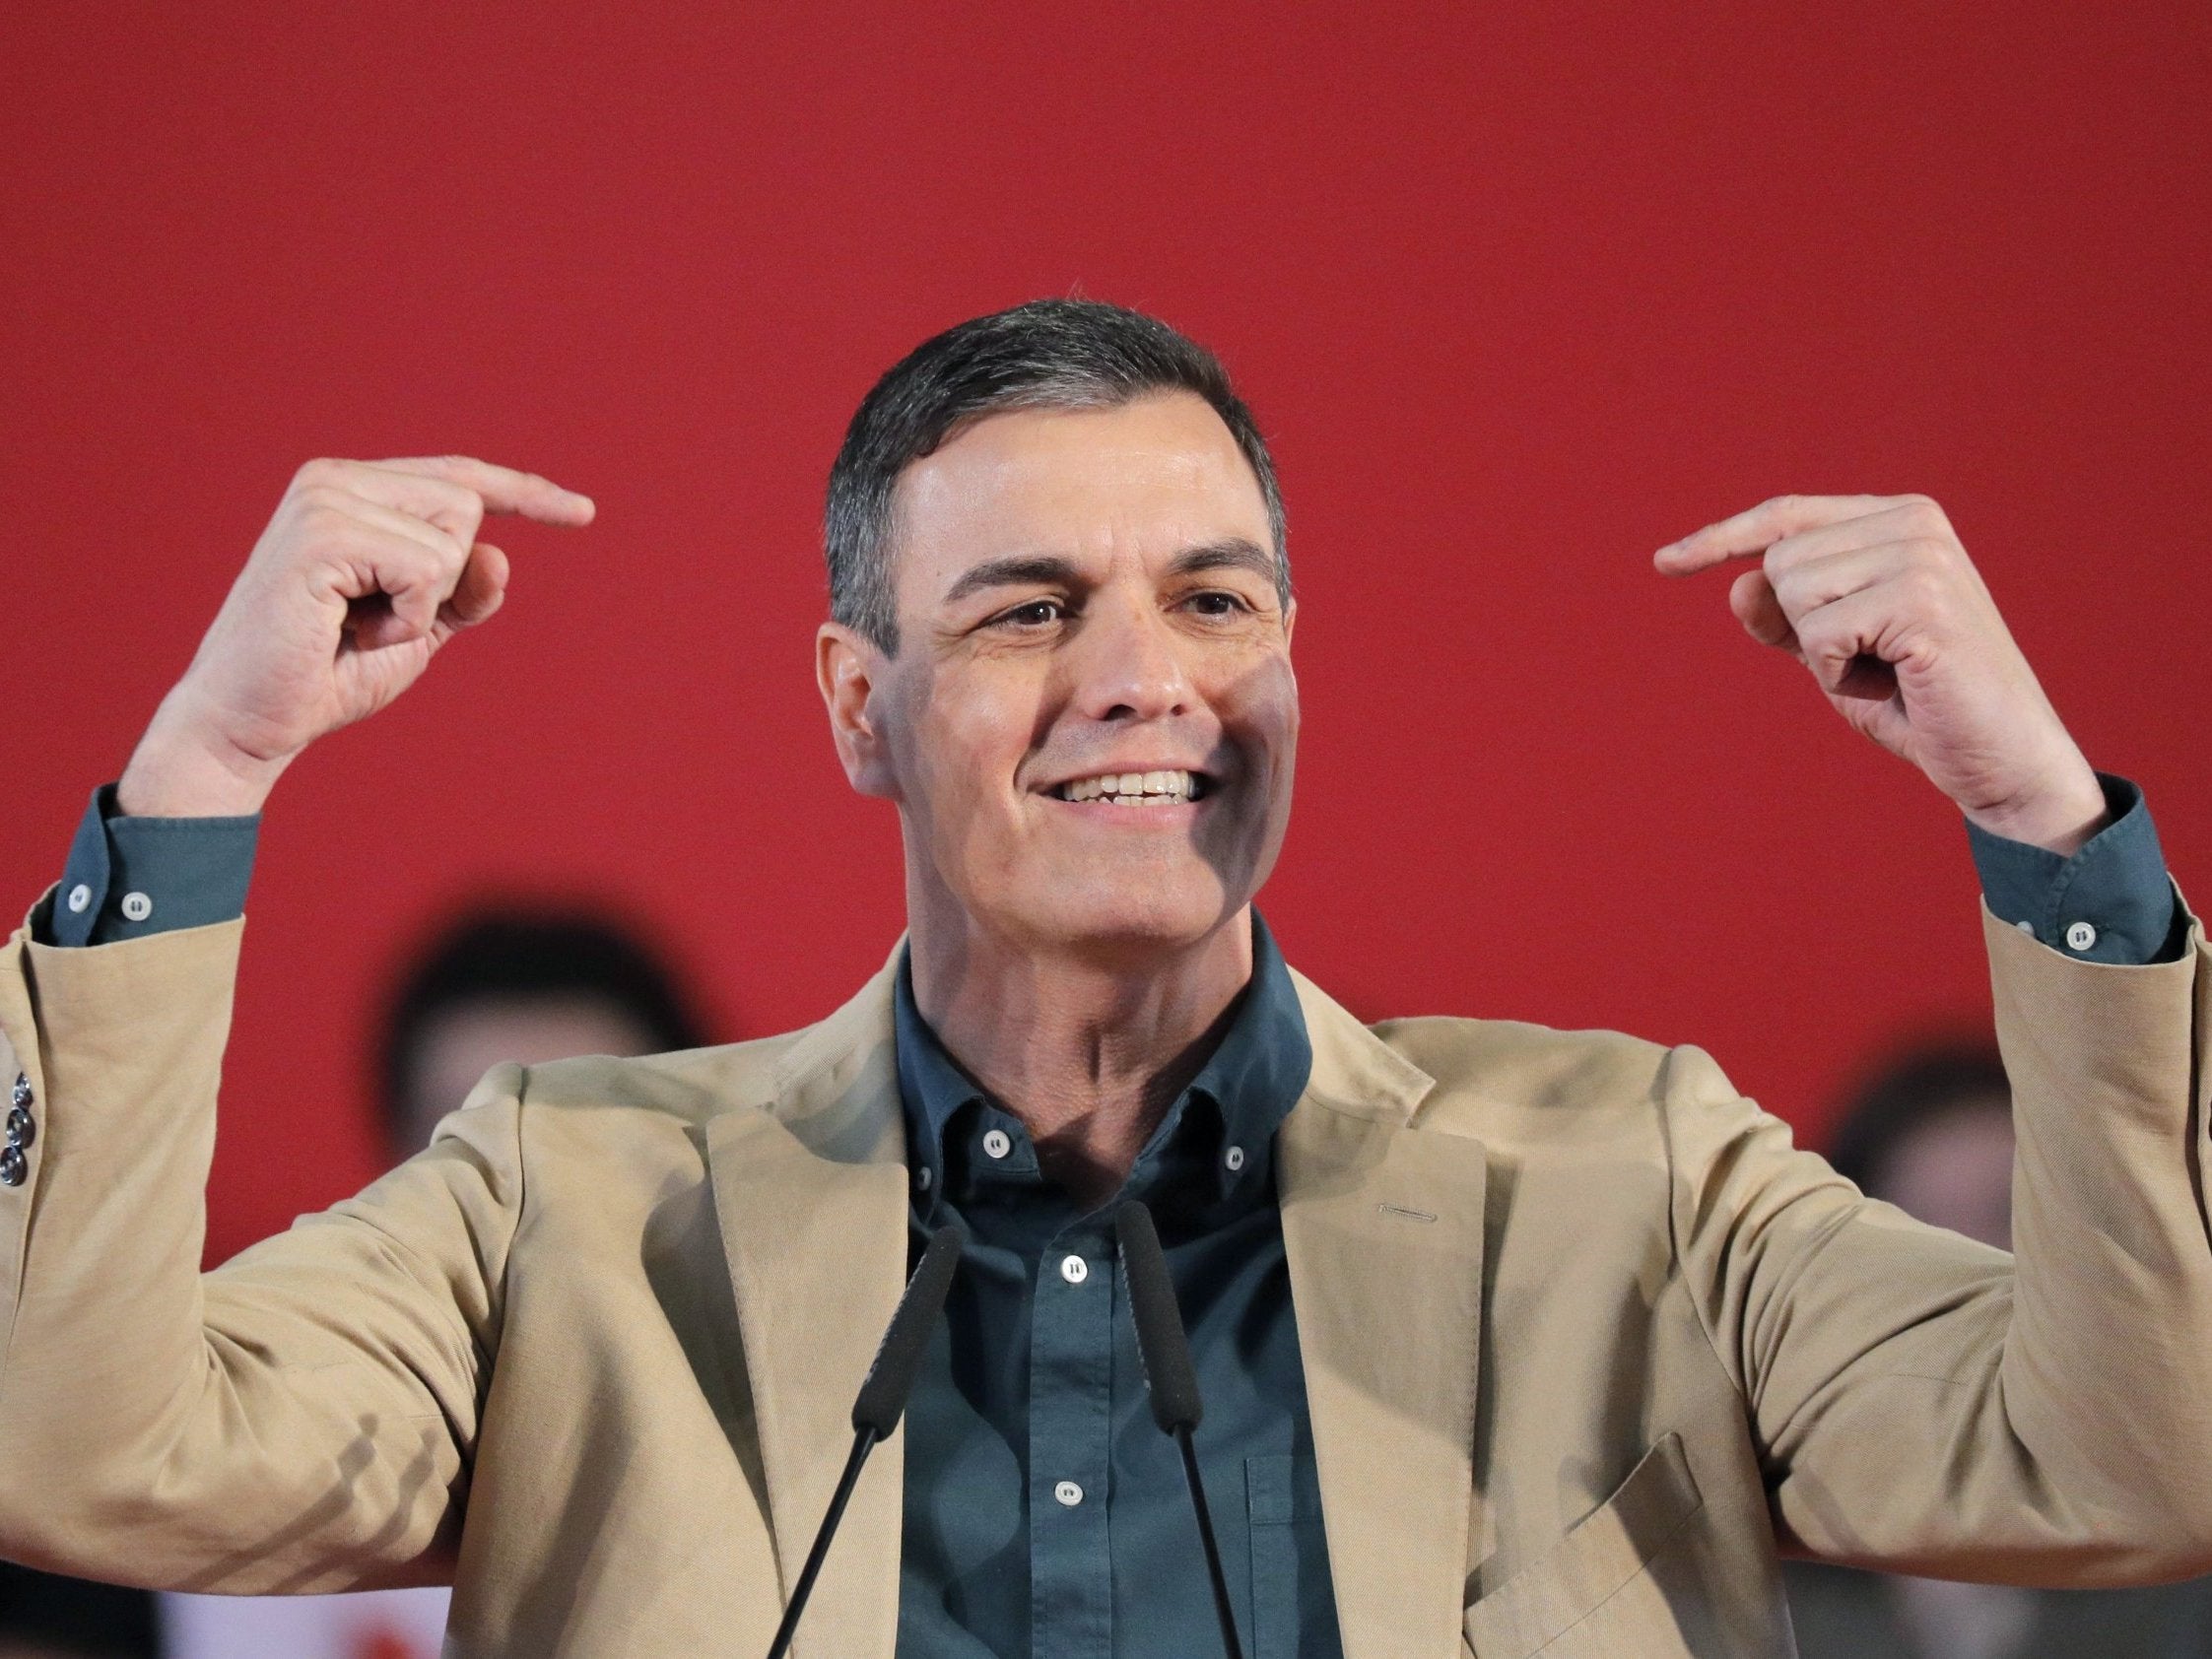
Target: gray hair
(1049,353)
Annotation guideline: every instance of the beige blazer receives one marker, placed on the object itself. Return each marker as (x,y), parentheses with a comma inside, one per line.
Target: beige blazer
(1584,1336)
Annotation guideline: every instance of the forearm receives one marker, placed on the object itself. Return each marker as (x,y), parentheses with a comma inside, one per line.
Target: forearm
(299,1419)
(1928,1404)
(2108,1357)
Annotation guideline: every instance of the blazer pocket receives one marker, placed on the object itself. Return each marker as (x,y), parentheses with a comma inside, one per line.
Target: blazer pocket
(1607,1551)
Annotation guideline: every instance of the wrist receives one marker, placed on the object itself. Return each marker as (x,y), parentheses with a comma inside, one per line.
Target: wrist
(2059,818)
(179,771)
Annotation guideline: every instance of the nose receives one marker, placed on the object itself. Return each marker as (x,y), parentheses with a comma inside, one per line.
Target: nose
(1128,667)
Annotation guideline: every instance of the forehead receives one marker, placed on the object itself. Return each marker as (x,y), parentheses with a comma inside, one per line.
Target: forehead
(1151,477)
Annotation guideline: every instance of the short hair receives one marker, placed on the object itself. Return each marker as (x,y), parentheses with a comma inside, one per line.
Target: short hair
(1910,1089)
(531,954)
(1049,353)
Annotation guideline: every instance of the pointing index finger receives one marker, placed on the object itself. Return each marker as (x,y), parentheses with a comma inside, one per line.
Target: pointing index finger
(501,489)
(1758,529)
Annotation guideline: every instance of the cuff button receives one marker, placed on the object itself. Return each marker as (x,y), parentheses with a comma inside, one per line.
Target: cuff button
(13,1166)
(23,1128)
(20,1096)
(137,906)
(2080,936)
(80,896)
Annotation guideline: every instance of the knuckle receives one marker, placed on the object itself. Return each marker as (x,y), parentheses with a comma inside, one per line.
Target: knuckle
(1925,512)
(1927,591)
(321,472)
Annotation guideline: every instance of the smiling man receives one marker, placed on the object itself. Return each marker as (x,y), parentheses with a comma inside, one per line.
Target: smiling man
(1512,1341)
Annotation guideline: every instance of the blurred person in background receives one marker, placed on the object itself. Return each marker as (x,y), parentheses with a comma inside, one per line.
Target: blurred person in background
(1930,1131)
(509,980)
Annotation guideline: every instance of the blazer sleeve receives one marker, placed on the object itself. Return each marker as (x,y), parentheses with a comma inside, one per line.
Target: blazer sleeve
(1924,1403)
(301,1419)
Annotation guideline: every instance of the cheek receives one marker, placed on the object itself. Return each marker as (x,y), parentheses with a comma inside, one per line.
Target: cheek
(1260,713)
(967,750)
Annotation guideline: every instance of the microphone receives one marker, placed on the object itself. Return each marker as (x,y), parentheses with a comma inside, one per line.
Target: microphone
(882,1399)
(1170,1379)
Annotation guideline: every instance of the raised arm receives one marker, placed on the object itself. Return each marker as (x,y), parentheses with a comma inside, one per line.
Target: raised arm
(232,1431)
(1921,1401)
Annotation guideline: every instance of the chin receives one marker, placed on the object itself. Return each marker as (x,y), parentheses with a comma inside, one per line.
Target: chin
(1134,917)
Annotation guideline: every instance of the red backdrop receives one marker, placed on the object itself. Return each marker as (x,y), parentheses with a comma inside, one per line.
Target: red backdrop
(1520,292)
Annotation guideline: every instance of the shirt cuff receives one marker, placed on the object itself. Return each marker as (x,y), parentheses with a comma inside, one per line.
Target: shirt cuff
(2111,901)
(131,877)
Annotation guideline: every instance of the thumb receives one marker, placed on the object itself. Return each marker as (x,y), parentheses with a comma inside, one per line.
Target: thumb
(481,590)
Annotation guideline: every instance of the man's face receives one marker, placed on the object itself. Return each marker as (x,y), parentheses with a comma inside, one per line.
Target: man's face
(1091,721)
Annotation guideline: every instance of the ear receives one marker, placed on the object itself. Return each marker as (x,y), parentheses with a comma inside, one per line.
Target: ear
(1290,619)
(849,670)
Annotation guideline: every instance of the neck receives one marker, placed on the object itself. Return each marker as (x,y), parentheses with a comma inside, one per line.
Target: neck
(1089,1051)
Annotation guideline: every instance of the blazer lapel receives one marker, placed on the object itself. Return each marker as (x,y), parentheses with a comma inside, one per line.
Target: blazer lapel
(1382,1225)
(811,1194)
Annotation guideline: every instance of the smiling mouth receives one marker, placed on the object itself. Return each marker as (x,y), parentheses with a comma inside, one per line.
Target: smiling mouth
(1136,789)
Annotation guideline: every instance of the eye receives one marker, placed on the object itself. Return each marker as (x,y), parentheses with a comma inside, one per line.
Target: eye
(1216,602)
(1034,613)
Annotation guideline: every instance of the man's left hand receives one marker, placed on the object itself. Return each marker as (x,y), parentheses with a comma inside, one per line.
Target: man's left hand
(1876,596)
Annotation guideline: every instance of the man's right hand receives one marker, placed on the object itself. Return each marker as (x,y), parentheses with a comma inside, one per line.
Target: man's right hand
(367,569)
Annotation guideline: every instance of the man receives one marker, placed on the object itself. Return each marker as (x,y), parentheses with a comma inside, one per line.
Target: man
(1931,1132)
(1510,1340)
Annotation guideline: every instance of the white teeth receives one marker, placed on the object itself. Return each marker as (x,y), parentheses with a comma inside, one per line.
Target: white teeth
(1133,789)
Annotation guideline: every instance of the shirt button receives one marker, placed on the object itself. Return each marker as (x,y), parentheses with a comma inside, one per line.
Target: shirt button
(1074,1269)
(137,906)
(20,1096)
(996,1143)
(80,896)
(921,1177)
(2029,928)
(2080,936)
(12,1166)
(1069,1494)
(1235,1159)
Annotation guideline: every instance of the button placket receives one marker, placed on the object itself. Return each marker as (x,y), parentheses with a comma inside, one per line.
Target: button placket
(1071,1428)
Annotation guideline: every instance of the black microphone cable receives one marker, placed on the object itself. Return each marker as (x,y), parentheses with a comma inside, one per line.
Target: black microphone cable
(1170,1379)
(882,1399)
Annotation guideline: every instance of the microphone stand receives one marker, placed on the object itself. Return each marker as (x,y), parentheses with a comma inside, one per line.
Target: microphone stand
(882,1399)
(863,1442)
(1213,1550)
(1171,1380)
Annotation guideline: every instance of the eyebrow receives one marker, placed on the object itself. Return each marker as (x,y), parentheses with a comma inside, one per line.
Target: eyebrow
(1042,571)
(1234,554)
(1013,572)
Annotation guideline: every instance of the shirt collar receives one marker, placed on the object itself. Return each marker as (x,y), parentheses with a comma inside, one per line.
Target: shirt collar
(1253,1079)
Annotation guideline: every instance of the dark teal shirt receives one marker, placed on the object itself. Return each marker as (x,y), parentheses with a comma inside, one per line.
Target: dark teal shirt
(1046,1514)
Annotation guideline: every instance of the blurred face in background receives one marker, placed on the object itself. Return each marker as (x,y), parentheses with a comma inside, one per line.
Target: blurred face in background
(465,1039)
(1955,1170)
(1091,720)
